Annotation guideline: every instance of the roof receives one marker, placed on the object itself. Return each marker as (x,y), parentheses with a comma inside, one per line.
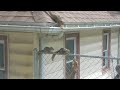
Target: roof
(25,16)
(88,16)
(66,16)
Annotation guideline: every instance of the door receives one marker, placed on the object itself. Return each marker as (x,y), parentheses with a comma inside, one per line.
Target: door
(71,45)
(3,57)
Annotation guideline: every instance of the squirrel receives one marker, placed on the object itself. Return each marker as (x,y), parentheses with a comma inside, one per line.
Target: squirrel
(74,68)
(55,18)
(62,51)
(48,50)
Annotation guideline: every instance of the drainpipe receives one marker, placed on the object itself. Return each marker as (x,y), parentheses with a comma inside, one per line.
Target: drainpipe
(41,59)
(118,61)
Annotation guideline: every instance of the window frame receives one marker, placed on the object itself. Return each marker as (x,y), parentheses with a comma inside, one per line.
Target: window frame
(77,41)
(107,49)
(105,32)
(3,42)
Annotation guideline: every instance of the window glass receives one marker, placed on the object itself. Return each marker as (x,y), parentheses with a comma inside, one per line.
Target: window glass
(1,56)
(69,45)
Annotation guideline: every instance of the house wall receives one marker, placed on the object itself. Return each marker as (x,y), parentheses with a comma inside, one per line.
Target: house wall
(20,57)
(91,44)
(114,43)
(114,49)
(54,69)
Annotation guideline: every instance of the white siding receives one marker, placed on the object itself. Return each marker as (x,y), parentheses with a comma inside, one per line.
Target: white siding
(54,69)
(114,43)
(114,49)
(90,44)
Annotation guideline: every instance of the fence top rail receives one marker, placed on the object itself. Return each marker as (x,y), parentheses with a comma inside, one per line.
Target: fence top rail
(110,57)
(95,56)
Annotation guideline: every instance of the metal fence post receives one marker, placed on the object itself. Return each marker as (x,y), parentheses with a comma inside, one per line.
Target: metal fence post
(41,59)
(118,61)
(36,64)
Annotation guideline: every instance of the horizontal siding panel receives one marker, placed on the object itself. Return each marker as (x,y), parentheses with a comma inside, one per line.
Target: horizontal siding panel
(90,40)
(91,47)
(18,62)
(21,70)
(55,43)
(89,33)
(20,77)
(21,59)
(21,38)
(21,48)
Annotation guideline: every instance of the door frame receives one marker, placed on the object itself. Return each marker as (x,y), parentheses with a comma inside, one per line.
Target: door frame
(104,32)
(77,36)
(107,49)
(73,38)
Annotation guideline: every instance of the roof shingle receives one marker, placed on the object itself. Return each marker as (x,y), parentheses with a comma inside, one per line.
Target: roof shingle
(66,16)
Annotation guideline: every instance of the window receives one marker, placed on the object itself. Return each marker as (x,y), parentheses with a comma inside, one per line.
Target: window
(2,59)
(106,48)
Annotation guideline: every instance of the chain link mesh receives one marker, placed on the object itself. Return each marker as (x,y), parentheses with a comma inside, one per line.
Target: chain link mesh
(89,67)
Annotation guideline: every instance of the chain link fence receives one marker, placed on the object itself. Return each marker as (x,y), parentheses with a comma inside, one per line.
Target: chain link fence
(64,66)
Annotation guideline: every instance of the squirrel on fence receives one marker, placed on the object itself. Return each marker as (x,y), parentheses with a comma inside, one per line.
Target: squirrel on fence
(62,51)
(74,68)
(118,72)
(47,50)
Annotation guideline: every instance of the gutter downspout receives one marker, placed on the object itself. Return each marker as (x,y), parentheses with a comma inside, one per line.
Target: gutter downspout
(41,59)
(56,29)
(118,61)
(49,30)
